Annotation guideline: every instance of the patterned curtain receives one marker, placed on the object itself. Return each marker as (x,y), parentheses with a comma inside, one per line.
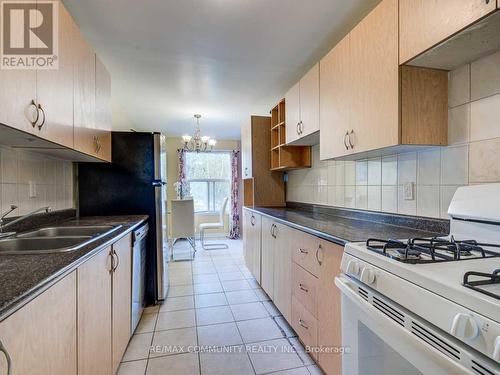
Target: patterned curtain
(181,178)
(234,232)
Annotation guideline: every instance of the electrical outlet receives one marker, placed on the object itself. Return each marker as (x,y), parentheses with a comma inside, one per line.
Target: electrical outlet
(409,191)
(32,189)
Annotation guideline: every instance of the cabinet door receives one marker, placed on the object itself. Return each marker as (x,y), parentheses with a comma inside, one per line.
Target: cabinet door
(122,298)
(335,101)
(424,23)
(246,150)
(41,337)
(329,323)
(55,89)
(94,315)
(374,113)
(17,90)
(309,102)
(283,271)
(267,256)
(292,113)
(84,95)
(103,110)
(251,242)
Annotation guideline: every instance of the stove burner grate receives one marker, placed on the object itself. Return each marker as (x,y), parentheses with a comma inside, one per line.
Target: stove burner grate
(488,279)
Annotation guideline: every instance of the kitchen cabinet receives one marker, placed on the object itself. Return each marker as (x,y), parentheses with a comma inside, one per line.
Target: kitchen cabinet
(40,338)
(369,103)
(261,186)
(55,89)
(282,271)
(122,295)
(94,315)
(102,111)
(302,112)
(252,224)
(424,24)
(335,100)
(269,236)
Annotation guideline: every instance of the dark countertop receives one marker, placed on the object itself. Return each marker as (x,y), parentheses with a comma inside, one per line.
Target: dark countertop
(23,277)
(341,225)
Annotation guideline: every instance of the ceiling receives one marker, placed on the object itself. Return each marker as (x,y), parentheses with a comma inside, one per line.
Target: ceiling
(224,59)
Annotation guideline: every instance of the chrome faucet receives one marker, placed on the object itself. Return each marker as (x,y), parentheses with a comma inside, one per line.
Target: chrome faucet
(10,223)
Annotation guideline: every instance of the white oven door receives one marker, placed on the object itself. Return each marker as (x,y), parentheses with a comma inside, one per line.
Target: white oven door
(378,345)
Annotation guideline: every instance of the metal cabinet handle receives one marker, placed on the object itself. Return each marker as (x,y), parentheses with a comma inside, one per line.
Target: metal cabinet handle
(7,357)
(246,171)
(252,220)
(301,127)
(345,140)
(97,143)
(302,287)
(34,122)
(115,255)
(275,231)
(304,251)
(303,324)
(320,261)
(349,139)
(298,128)
(111,262)
(44,118)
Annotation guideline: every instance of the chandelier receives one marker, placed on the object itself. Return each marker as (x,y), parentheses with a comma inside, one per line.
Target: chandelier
(197,142)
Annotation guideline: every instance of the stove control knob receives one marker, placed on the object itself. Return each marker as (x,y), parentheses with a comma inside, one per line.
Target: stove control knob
(496,349)
(353,268)
(464,327)
(368,276)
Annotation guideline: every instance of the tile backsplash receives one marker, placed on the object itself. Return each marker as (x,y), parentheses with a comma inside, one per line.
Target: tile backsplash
(472,157)
(51,181)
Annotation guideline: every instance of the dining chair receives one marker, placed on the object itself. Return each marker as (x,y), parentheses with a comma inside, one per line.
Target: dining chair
(210,226)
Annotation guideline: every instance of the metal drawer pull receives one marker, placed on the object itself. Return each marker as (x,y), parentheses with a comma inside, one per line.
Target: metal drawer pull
(345,140)
(349,139)
(302,324)
(252,220)
(320,261)
(44,118)
(33,123)
(304,251)
(117,260)
(7,358)
(302,287)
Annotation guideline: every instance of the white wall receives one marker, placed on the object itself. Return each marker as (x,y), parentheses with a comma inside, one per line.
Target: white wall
(473,156)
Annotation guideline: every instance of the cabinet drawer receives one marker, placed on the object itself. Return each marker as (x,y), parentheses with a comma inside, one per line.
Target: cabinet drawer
(304,324)
(306,250)
(305,288)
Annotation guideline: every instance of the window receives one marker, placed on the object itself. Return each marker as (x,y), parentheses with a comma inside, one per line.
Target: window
(208,176)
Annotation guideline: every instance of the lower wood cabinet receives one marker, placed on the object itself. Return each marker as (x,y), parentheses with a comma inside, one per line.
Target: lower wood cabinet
(40,338)
(282,271)
(267,255)
(252,224)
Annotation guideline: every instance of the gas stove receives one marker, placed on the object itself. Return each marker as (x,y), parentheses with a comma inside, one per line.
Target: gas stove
(452,283)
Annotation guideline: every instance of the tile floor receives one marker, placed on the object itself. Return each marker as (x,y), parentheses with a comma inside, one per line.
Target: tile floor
(216,320)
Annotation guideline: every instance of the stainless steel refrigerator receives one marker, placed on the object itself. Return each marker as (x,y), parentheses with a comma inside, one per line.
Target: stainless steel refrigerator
(134,183)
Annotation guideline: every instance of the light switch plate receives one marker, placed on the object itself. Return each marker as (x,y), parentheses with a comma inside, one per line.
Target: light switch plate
(408,191)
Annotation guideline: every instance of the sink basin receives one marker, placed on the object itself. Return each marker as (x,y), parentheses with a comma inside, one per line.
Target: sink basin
(42,245)
(69,231)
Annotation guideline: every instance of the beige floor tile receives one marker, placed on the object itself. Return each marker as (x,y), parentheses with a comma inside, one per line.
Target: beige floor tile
(293,371)
(232,285)
(132,368)
(281,357)
(228,276)
(181,280)
(185,364)
(259,330)
(262,295)
(147,323)
(225,334)
(235,363)
(299,348)
(208,288)
(241,296)
(285,327)
(175,319)
(206,278)
(271,309)
(138,347)
(181,290)
(314,370)
(253,283)
(247,311)
(213,315)
(173,341)
(151,309)
(209,300)
(178,303)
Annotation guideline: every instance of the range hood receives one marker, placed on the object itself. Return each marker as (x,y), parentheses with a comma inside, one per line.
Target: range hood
(478,40)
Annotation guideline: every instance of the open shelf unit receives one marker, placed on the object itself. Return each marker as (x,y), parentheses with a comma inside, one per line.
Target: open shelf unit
(285,157)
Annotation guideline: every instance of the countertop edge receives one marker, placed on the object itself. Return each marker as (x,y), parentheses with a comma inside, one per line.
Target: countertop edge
(34,292)
(314,232)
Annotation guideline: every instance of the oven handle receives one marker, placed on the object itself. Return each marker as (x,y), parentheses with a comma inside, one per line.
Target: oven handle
(344,283)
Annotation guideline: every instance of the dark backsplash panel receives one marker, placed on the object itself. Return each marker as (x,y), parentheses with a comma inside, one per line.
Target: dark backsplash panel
(416,222)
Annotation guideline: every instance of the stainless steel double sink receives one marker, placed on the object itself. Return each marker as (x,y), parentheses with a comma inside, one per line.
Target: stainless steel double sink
(54,239)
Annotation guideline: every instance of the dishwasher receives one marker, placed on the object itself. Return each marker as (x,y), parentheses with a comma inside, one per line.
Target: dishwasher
(139,237)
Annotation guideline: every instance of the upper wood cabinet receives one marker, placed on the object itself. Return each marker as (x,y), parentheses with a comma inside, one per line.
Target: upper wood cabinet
(41,337)
(424,23)
(55,89)
(103,117)
(302,109)
(369,103)
(335,100)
